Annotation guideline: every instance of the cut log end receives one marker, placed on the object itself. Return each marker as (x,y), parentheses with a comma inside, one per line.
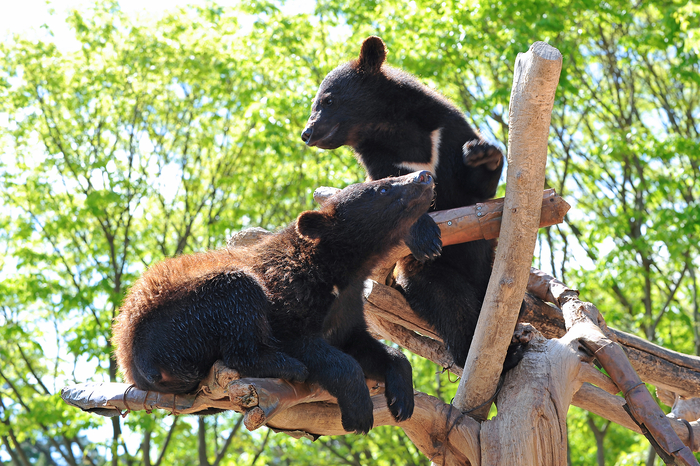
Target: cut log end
(546,51)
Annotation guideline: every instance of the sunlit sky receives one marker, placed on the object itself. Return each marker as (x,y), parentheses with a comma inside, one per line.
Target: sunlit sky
(26,17)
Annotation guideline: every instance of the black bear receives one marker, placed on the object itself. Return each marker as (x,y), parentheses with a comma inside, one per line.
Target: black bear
(397,125)
(289,306)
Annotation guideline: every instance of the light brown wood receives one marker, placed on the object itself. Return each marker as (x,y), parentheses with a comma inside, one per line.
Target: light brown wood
(483,220)
(609,407)
(659,366)
(530,428)
(655,365)
(585,322)
(436,428)
(531,102)
(480,221)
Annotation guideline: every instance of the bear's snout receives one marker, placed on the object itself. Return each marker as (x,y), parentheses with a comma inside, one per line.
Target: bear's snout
(306,134)
(423,177)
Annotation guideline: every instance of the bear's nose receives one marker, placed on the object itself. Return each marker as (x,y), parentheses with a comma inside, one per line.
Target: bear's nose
(306,134)
(423,177)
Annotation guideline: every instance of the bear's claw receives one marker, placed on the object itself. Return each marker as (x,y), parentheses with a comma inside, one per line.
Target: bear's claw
(424,239)
(479,152)
(359,418)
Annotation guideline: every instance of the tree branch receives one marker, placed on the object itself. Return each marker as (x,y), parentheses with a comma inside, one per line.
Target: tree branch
(585,321)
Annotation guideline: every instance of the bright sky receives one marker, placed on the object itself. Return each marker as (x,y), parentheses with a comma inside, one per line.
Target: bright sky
(27,16)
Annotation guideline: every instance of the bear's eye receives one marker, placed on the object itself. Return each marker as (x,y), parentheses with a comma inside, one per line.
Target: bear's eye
(384,189)
(328,101)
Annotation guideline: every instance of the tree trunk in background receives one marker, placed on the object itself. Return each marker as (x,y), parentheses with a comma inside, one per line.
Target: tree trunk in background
(146,448)
(651,456)
(202,437)
(599,435)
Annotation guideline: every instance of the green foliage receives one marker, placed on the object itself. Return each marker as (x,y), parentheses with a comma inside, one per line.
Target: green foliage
(158,137)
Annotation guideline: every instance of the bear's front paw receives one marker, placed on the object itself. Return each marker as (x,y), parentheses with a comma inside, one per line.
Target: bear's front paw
(357,415)
(424,239)
(479,152)
(399,393)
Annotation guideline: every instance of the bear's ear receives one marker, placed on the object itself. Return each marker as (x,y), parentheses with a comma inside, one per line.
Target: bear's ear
(312,224)
(372,55)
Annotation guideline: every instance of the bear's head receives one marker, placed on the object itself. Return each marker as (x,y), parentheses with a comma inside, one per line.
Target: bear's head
(347,99)
(373,215)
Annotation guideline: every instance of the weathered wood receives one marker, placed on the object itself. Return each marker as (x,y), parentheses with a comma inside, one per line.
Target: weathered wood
(536,394)
(655,365)
(418,344)
(610,407)
(483,220)
(307,405)
(301,410)
(531,102)
(437,429)
(247,237)
(659,366)
(470,223)
(381,301)
(584,321)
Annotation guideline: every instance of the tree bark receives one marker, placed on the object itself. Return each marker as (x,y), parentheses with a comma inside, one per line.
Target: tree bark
(585,322)
(531,102)
(202,442)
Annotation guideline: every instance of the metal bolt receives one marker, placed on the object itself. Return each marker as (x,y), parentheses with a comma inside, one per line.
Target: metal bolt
(449,223)
(479,214)
(478,207)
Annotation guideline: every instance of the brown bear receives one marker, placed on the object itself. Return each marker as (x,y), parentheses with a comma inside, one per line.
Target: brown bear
(396,125)
(290,306)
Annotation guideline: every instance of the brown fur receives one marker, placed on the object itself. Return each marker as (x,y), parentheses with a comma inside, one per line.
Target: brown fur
(290,306)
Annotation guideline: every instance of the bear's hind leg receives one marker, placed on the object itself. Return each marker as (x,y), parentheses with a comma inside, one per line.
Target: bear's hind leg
(270,363)
(341,376)
(247,344)
(387,364)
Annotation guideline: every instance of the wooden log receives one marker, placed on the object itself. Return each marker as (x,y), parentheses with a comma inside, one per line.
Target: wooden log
(584,321)
(438,430)
(610,407)
(480,221)
(444,434)
(531,102)
(483,220)
(530,428)
(659,366)
(301,410)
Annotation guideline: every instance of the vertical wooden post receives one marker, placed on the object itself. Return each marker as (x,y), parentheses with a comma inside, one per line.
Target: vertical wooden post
(531,102)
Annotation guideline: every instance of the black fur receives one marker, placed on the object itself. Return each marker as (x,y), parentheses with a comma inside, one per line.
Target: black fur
(395,125)
(290,306)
